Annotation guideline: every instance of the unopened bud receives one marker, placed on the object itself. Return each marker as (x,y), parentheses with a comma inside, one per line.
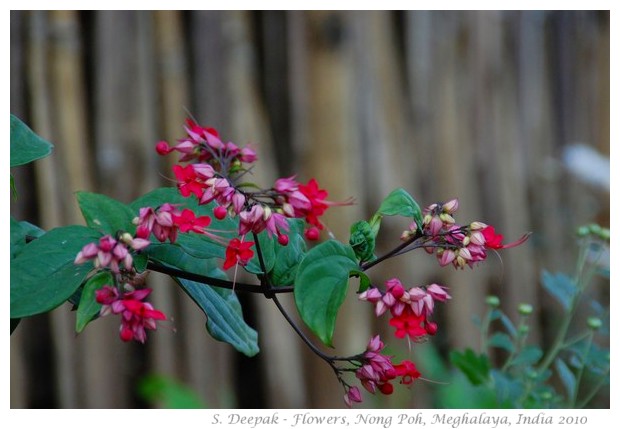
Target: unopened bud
(427,219)
(446,218)
(476,226)
(524,329)
(126,238)
(431,328)
(267,213)
(283,239)
(525,309)
(451,206)
(466,240)
(492,301)
(594,323)
(583,231)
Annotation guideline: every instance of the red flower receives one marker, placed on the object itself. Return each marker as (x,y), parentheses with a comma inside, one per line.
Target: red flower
(136,315)
(318,204)
(238,252)
(494,241)
(407,370)
(187,221)
(407,323)
(188,181)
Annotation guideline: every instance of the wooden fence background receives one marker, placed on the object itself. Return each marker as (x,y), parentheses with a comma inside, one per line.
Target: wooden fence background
(475,105)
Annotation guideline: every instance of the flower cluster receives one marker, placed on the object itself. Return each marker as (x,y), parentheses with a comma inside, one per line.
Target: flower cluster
(410,309)
(455,244)
(111,253)
(376,372)
(136,315)
(212,175)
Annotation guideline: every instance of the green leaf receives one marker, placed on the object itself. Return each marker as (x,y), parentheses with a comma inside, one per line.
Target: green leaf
(561,287)
(287,260)
(43,275)
(510,327)
(19,232)
(26,146)
(400,203)
(502,341)
(106,214)
(140,261)
(168,393)
(267,246)
(568,378)
(224,316)
(88,307)
(528,356)
(321,286)
(475,367)
(506,388)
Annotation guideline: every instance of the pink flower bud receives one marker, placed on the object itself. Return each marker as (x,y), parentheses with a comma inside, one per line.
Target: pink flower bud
(220,212)
(451,206)
(163,148)
(283,239)
(438,292)
(431,328)
(312,233)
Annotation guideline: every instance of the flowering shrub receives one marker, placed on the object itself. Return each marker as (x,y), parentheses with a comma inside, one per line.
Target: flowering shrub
(215,222)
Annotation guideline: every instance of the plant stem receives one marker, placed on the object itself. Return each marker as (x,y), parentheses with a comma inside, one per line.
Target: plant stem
(243,287)
(367,265)
(582,368)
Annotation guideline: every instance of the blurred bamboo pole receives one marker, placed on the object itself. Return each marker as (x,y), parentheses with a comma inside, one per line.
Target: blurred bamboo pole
(331,159)
(18,363)
(49,183)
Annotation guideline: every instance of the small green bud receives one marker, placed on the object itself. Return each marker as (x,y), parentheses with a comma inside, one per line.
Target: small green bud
(492,301)
(524,329)
(525,309)
(595,229)
(546,396)
(594,323)
(583,231)
(605,234)
(532,374)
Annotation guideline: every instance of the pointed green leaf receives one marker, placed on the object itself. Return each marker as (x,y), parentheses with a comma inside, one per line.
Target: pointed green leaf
(475,367)
(26,146)
(400,203)
(568,378)
(88,307)
(267,247)
(106,214)
(321,286)
(43,275)
(561,287)
(19,233)
(287,260)
(224,316)
(528,356)
(502,341)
